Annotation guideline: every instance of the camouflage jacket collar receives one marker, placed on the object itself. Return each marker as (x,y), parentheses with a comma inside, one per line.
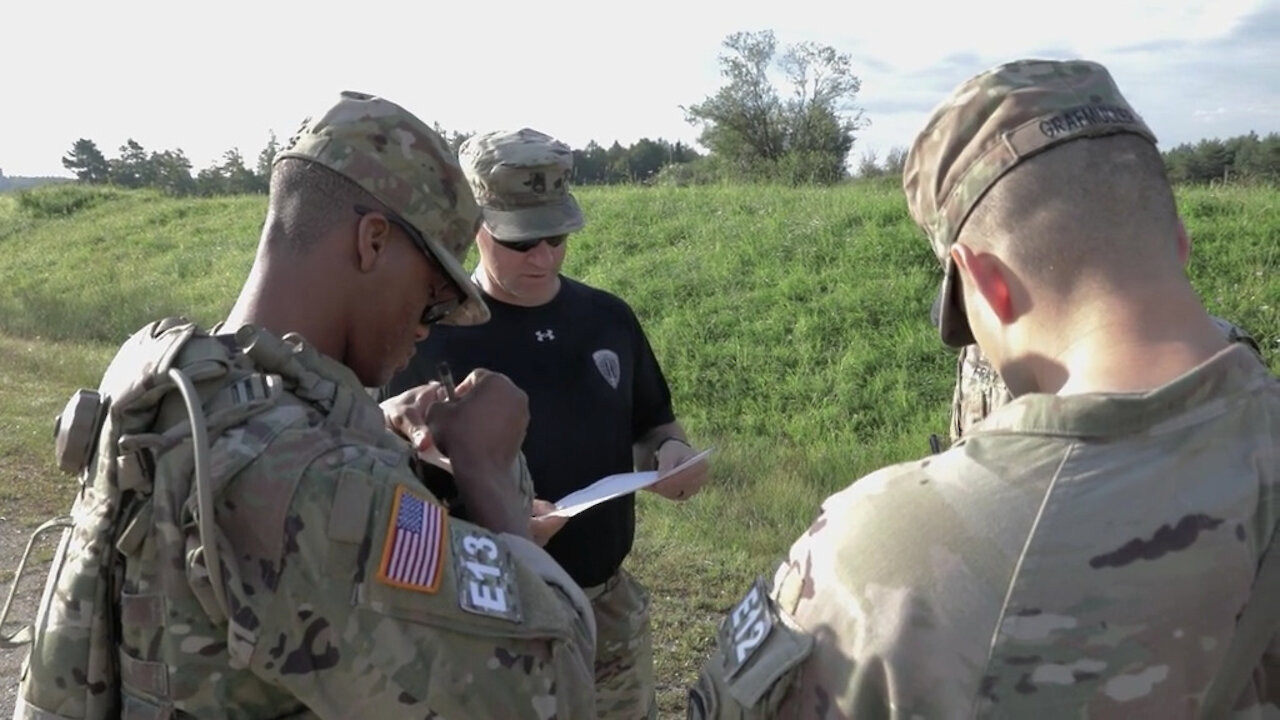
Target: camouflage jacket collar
(1206,390)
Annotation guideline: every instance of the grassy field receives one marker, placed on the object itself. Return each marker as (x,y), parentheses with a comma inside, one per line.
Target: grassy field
(792,325)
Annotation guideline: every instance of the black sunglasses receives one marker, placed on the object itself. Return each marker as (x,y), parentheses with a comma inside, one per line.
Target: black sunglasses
(524,246)
(434,312)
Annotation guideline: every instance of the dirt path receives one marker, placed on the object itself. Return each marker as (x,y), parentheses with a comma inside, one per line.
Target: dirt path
(13,540)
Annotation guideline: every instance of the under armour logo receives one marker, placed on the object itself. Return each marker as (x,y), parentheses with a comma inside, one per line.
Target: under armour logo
(544,335)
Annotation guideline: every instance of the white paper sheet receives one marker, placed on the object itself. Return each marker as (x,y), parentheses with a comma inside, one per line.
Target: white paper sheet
(612,486)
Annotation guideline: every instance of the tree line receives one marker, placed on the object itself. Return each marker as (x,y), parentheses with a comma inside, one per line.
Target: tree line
(1246,158)
(797,131)
(170,171)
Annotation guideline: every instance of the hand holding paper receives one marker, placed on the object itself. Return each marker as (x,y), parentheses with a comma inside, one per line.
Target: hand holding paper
(681,471)
(612,486)
(545,522)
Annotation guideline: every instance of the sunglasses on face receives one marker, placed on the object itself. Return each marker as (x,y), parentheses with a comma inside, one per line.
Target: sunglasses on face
(434,312)
(524,246)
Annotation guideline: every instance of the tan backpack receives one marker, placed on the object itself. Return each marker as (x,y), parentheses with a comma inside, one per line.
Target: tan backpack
(106,437)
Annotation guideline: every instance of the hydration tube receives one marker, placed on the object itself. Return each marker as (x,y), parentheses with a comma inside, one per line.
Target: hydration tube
(204,493)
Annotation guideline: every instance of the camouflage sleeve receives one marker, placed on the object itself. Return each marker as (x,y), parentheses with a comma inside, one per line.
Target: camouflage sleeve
(858,624)
(775,657)
(365,599)
(759,648)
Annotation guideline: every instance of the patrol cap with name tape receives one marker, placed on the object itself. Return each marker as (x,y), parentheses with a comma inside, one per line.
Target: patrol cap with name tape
(409,168)
(521,180)
(988,125)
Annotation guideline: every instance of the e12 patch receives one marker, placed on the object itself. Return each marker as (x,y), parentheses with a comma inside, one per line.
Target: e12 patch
(743,632)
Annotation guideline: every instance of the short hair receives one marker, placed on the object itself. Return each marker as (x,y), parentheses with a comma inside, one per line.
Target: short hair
(307,200)
(1102,203)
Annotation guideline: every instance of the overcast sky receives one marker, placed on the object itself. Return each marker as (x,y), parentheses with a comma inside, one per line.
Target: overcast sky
(210,76)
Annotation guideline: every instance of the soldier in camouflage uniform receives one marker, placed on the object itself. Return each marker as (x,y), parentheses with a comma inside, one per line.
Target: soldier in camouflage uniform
(1086,550)
(344,589)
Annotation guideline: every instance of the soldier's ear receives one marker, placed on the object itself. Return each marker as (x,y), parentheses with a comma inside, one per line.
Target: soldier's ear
(986,275)
(373,235)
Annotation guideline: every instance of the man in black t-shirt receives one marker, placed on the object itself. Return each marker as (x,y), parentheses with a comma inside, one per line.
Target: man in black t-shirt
(598,401)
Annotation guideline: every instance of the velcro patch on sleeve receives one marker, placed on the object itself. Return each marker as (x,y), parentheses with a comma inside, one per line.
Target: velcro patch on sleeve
(761,649)
(487,583)
(413,554)
(743,632)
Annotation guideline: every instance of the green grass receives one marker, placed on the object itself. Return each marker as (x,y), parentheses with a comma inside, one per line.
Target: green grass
(792,325)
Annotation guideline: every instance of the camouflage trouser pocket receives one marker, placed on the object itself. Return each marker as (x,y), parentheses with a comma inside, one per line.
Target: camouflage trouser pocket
(624,650)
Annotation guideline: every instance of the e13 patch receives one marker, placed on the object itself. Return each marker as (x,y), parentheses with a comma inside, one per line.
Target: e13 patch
(486,577)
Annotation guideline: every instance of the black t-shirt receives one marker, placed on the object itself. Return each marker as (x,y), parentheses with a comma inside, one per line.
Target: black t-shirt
(594,388)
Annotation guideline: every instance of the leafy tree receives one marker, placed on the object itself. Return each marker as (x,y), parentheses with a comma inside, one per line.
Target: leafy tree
(617,169)
(749,126)
(591,164)
(823,86)
(895,162)
(743,120)
(265,159)
(173,172)
(453,138)
(87,162)
(210,181)
(231,177)
(867,166)
(240,179)
(681,153)
(645,158)
(133,169)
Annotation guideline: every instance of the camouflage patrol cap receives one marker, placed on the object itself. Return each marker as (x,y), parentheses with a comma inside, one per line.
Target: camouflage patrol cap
(992,122)
(521,180)
(409,168)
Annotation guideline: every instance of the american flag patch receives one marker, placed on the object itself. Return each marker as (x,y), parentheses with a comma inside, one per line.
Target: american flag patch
(412,555)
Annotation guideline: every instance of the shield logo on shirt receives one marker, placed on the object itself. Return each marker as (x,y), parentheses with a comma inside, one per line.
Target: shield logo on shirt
(607,364)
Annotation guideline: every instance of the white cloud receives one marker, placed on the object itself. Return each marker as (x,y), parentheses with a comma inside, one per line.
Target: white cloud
(1209,114)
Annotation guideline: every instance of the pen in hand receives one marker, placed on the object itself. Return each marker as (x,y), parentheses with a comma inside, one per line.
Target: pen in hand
(446,379)
(431,453)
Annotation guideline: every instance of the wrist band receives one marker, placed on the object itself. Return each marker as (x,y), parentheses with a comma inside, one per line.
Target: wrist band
(666,440)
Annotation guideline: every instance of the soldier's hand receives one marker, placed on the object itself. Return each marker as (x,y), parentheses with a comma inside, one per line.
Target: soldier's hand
(485,423)
(541,528)
(481,432)
(684,484)
(406,414)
